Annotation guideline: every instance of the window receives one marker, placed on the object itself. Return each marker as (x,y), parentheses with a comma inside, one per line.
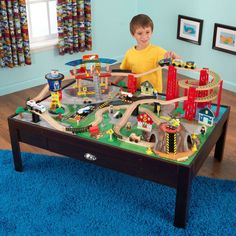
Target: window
(42,21)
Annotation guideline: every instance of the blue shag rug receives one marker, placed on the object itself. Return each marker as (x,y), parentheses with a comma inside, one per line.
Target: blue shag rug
(61,196)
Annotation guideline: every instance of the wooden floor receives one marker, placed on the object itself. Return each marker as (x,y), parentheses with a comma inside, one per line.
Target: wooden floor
(224,170)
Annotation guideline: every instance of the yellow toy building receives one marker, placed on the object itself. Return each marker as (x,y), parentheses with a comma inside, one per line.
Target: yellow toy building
(55,101)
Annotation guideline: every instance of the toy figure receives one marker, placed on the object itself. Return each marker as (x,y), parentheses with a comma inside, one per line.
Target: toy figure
(111,110)
(155,93)
(128,125)
(158,109)
(203,130)
(149,150)
(194,136)
(194,147)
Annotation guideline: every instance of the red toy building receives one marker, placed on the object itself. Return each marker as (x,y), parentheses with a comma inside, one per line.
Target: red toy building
(203,81)
(94,131)
(190,104)
(132,83)
(172,85)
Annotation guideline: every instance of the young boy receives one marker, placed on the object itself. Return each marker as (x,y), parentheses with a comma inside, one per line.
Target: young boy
(144,56)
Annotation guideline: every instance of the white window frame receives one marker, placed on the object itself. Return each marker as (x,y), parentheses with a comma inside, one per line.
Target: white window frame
(44,41)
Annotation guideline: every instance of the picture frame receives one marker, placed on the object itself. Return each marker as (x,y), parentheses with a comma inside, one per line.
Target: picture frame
(190,29)
(224,38)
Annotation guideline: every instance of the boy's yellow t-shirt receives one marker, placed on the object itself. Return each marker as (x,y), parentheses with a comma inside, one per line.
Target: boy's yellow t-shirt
(140,61)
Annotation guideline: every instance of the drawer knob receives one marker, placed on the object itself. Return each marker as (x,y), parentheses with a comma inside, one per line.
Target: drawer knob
(90,157)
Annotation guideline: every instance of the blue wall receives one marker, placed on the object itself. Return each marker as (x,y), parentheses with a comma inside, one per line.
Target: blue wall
(111,38)
(165,16)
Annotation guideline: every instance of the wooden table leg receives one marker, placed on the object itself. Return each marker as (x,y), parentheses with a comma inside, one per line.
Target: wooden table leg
(15,147)
(183,192)
(220,144)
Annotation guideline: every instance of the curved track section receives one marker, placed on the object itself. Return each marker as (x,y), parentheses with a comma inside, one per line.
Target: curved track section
(98,114)
(212,87)
(133,106)
(42,93)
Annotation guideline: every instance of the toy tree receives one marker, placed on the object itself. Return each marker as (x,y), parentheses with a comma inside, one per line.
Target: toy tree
(122,83)
(59,111)
(19,111)
(178,111)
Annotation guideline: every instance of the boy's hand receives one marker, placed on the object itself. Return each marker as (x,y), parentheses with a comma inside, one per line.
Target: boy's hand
(171,55)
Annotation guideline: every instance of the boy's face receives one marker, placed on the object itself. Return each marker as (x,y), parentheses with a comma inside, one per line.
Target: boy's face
(143,36)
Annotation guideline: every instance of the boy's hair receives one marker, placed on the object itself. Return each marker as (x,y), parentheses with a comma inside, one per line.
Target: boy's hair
(140,20)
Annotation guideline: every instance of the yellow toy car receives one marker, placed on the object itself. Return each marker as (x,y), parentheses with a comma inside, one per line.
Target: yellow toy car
(177,62)
(190,65)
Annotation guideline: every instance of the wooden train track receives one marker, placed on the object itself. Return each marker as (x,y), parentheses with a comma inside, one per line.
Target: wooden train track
(212,88)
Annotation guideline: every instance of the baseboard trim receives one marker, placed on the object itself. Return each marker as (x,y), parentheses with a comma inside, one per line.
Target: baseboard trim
(21,86)
(12,88)
(229,86)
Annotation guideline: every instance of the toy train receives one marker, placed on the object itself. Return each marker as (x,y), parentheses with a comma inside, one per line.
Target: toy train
(33,106)
(85,110)
(126,94)
(134,138)
(177,63)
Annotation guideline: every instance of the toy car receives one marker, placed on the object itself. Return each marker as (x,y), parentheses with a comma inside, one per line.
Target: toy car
(177,62)
(126,94)
(165,62)
(32,105)
(85,110)
(40,108)
(190,65)
(117,115)
(87,100)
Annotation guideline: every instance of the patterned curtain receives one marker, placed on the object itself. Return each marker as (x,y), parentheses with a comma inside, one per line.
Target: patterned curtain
(74,26)
(14,38)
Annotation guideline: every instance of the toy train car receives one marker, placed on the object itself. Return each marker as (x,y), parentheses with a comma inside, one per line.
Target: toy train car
(126,94)
(78,130)
(85,110)
(177,63)
(165,62)
(33,106)
(134,138)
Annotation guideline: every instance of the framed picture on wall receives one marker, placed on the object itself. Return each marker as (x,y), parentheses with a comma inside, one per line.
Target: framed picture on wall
(189,29)
(224,38)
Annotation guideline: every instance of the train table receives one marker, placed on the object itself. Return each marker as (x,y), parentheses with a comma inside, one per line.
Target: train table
(156,137)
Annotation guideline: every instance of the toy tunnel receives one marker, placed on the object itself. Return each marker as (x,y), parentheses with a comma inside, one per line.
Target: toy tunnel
(171,143)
